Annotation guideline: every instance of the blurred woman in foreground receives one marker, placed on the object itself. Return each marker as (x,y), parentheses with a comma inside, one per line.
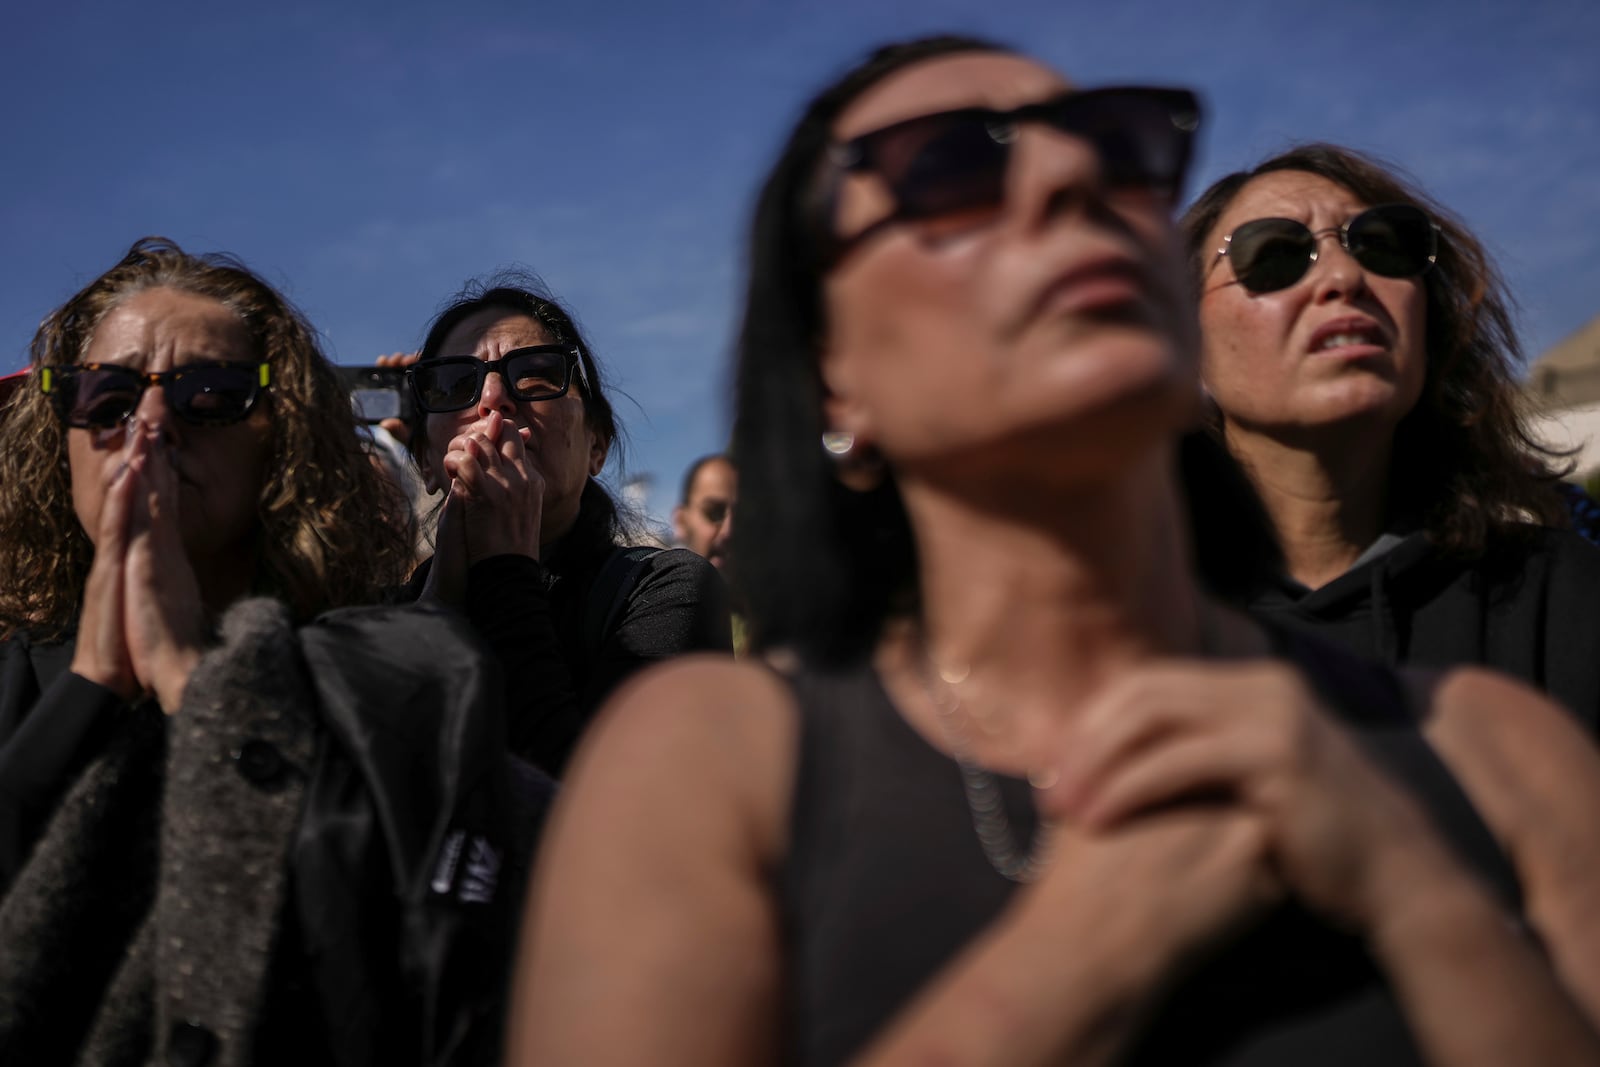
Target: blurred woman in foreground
(968,355)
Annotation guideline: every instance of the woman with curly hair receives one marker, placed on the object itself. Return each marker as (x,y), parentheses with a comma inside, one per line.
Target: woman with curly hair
(197,779)
(1359,349)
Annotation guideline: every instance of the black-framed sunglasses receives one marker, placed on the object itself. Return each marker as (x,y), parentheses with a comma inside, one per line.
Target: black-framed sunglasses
(1393,240)
(96,396)
(955,161)
(537,372)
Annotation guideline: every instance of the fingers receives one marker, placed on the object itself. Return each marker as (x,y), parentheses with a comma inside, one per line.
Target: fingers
(493,464)
(1187,767)
(397,429)
(101,652)
(397,359)
(116,503)
(1207,727)
(156,505)
(1137,713)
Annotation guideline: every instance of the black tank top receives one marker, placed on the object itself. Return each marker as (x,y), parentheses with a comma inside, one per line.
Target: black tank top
(885,881)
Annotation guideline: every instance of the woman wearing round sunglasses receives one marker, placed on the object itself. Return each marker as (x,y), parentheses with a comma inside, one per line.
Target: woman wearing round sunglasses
(514,425)
(1025,795)
(1359,350)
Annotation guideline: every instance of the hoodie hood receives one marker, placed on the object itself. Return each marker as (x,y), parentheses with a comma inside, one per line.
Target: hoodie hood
(1370,605)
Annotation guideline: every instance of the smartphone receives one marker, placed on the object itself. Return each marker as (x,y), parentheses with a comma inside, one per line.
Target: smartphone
(378,393)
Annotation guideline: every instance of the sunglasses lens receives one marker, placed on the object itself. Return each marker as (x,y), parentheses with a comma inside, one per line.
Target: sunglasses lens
(1270,254)
(944,165)
(96,398)
(447,385)
(1396,240)
(1141,136)
(214,394)
(537,374)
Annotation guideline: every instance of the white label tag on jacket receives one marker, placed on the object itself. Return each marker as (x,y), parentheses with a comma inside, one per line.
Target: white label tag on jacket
(474,881)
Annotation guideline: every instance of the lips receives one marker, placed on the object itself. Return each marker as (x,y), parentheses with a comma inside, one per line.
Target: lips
(1348,332)
(1102,282)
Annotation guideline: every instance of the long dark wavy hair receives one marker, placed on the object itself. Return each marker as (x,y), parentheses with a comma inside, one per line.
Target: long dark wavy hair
(333,530)
(1464,461)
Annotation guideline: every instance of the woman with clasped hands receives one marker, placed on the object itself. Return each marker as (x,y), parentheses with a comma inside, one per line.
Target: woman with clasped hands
(513,424)
(1026,794)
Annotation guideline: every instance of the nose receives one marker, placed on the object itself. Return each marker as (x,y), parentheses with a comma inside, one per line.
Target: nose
(495,395)
(1050,172)
(152,411)
(1335,273)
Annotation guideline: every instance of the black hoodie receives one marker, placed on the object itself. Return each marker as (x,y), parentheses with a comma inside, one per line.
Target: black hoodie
(1532,611)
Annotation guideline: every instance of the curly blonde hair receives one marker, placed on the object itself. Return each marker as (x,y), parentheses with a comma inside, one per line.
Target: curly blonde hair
(333,530)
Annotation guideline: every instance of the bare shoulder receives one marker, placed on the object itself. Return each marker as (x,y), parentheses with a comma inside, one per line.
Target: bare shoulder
(652,898)
(690,700)
(706,730)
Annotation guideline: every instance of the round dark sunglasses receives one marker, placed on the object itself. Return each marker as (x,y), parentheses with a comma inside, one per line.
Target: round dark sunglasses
(1393,240)
(538,372)
(97,396)
(955,161)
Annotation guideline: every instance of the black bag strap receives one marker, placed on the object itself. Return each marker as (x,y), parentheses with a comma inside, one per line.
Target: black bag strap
(609,595)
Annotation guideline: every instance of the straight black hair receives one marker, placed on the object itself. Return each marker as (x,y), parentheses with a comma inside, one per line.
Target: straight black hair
(819,566)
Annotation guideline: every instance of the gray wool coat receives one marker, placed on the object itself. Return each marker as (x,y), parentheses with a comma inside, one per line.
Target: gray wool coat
(143,927)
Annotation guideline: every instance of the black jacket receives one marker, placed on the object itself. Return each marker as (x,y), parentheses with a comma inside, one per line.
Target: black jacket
(1531,610)
(559,666)
(317,860)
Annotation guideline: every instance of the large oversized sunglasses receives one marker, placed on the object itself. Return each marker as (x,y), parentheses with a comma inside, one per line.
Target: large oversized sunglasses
(1393,240)
(953,162)
(96,396)
(538,372)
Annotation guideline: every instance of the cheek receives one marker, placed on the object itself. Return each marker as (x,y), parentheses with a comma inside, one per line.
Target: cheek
(562,436)
(903,329)
(439,429)
(85,466)
(1414,310)
(1239,345)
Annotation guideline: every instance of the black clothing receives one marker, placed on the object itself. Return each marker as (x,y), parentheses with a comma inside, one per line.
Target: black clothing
(534,619)
(317,859)
(1531,611)
(885,882)
(1583,509)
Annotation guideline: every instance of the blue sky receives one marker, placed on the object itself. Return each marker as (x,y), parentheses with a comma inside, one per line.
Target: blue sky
(368,158)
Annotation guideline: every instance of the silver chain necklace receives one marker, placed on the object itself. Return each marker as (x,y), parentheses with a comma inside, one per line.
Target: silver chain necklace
(984,800)
(985,803)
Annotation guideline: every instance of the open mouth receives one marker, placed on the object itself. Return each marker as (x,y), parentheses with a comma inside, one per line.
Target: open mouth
(1348,334)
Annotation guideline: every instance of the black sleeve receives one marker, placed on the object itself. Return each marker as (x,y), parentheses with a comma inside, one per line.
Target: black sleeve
(43,752)
(1570,670)
(679,604)
(509,606)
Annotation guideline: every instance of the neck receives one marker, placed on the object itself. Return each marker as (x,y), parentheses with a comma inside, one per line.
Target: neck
(1045,602)
(1327,499)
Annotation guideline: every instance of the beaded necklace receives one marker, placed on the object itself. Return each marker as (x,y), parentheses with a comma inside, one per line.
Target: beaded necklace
(985,803)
